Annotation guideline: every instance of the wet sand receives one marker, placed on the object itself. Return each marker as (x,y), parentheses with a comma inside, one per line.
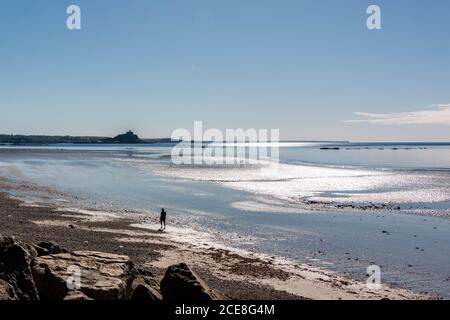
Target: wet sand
(239,276)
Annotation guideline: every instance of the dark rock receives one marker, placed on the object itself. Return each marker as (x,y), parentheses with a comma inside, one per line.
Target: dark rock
(144,272)
(15,260)
(6,291)
(145,287)
(181,283)
(46,248)
(143,291)
(41,251)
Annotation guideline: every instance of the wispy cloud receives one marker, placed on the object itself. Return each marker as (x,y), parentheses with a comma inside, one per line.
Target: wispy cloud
(436,114)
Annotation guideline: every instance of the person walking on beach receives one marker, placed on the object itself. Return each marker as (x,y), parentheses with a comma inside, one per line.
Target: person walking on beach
(162,219)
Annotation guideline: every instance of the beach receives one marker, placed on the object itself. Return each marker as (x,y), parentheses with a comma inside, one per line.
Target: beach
(237,276)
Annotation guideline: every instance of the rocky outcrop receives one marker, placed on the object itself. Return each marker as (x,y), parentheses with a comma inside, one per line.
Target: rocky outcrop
(145,287)
(102,276)
(45,271)
(15,260)
(6,291)
(181,283)
(143,291)
(129,138)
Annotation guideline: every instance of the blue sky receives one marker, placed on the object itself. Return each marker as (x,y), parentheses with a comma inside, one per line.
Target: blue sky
(305,67)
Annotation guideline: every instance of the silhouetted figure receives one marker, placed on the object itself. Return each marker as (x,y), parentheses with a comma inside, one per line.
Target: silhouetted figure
(162,219)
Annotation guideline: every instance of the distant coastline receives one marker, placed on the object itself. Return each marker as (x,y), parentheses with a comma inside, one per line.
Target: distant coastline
(131,138)
(126,138)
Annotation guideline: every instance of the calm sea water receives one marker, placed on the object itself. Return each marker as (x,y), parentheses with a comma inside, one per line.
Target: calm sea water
(318,200)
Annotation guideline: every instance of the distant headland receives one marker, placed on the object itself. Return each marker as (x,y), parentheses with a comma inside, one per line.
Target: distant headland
(126,138)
